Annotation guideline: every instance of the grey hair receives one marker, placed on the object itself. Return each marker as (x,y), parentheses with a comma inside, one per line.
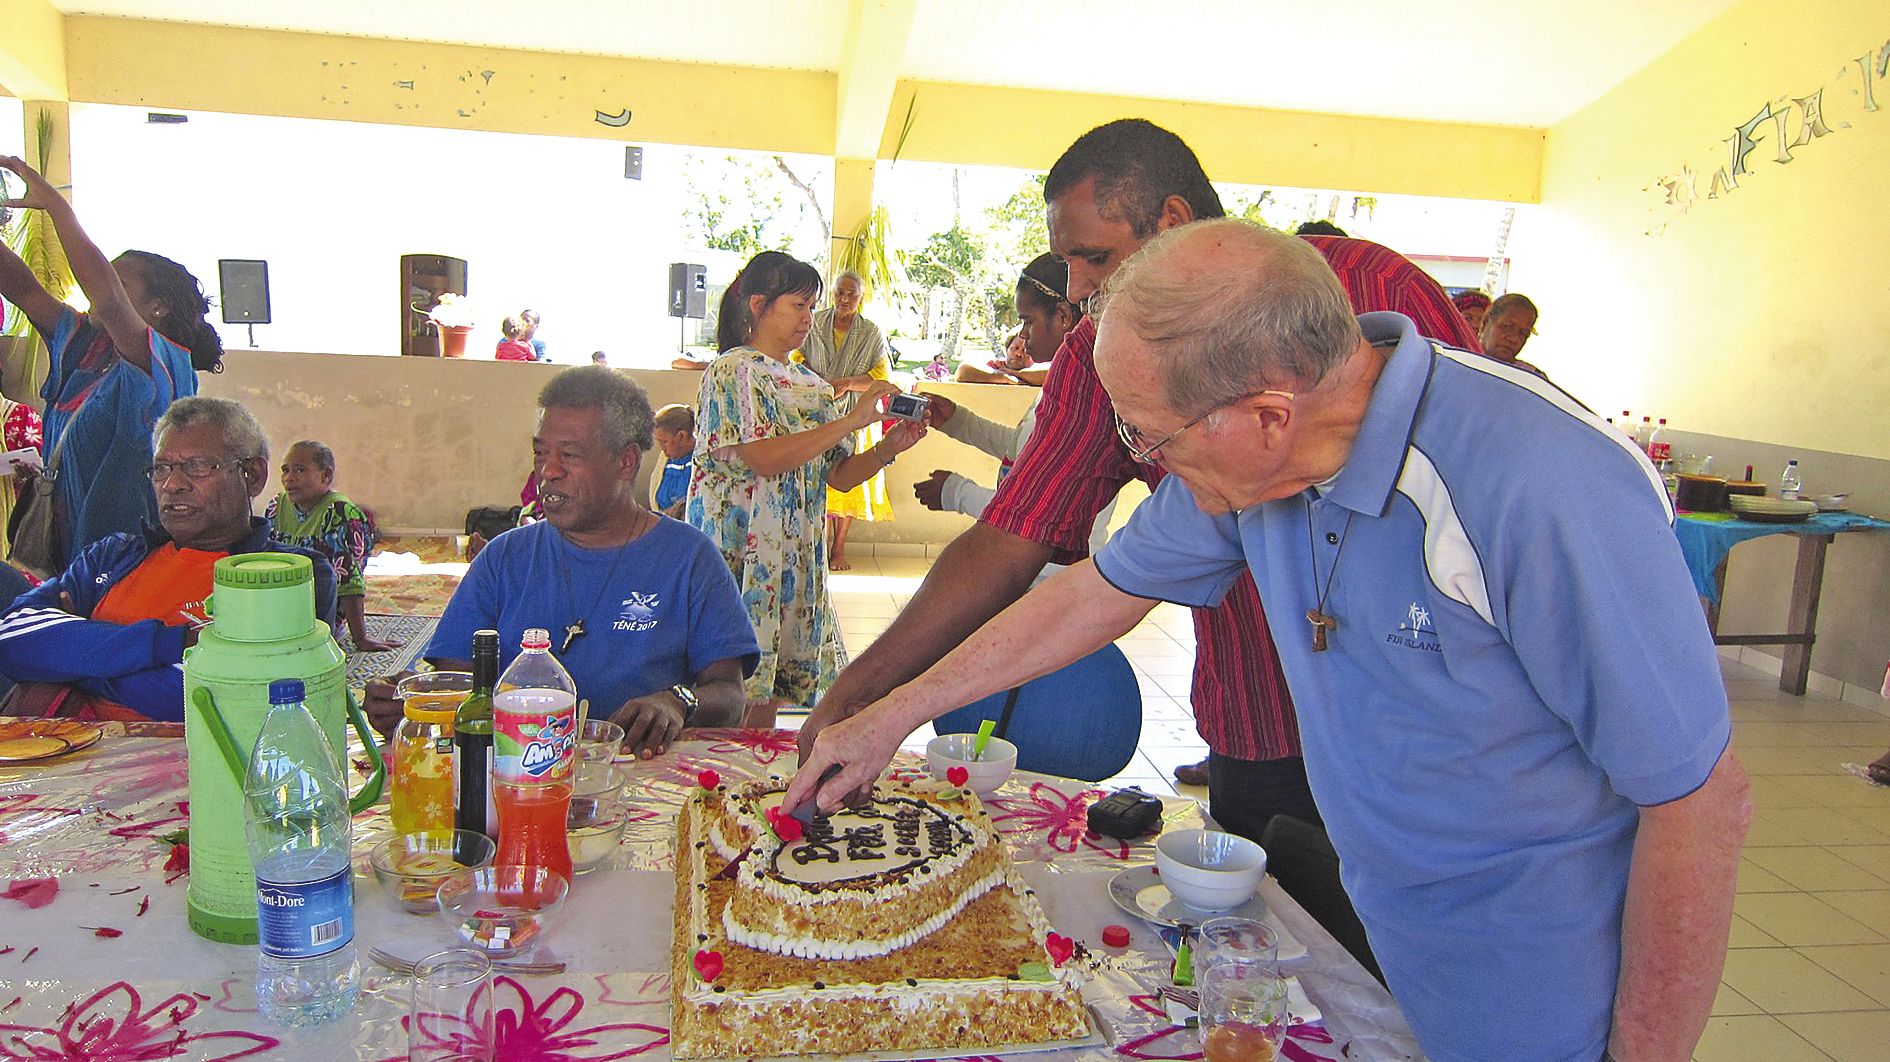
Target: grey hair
(242,434)
(627,420)
(319,452)
(1231,307)
(850,275)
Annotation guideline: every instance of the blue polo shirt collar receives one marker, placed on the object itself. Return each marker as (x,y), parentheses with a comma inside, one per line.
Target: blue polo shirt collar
(1376,460)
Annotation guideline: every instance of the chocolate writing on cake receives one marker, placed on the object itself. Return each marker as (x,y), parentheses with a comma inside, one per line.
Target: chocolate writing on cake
(920,834)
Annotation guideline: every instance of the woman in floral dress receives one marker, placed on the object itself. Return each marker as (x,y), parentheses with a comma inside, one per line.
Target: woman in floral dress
(770,441)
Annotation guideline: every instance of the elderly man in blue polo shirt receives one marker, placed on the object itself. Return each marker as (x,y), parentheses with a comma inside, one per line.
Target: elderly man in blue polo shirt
(1512,711)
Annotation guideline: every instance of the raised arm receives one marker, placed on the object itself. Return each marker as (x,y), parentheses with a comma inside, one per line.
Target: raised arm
(20,287)
(111,307)
(783,453)
(861,467)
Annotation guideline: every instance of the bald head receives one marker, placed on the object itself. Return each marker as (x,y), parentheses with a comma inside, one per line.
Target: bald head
(1227,307)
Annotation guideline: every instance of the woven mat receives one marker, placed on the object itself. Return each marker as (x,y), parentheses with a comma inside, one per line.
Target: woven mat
(412,632)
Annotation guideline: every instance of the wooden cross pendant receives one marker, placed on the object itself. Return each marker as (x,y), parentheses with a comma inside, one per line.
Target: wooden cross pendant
(1321,623)
(571,635)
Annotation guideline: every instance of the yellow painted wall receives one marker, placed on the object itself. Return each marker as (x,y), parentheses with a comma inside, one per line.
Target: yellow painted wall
(1763,313)
(214,68)
(196,67)
(32,50)
(1029,128)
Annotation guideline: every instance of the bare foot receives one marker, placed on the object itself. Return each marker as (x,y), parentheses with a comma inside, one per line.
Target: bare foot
(1879,769)
(839,564)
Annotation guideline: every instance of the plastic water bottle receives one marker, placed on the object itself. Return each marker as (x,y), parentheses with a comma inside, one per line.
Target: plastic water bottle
(1644,435)
(1788,482)
(297,824)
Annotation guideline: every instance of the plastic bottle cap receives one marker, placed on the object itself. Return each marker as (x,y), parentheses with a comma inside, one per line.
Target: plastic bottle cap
(286,691)
(536,638)
(260,571)
(1115,936)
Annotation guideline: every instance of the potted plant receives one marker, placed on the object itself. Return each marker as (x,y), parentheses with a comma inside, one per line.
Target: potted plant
(453,316)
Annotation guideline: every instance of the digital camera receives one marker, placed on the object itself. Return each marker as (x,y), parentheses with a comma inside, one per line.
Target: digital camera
(908,407)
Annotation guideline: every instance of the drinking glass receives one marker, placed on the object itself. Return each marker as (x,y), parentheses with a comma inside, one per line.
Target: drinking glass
(451,1017)
(1243,1011)
(1236,940)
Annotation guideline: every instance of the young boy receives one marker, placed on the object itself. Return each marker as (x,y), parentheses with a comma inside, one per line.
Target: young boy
(676,437)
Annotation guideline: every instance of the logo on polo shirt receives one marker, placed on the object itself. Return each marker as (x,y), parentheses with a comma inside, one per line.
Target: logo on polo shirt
(1416,632)
(639,612)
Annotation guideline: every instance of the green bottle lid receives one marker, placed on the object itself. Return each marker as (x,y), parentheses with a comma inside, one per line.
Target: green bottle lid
(260,571)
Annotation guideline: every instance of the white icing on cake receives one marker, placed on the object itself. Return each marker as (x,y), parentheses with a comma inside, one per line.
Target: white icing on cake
(812,947)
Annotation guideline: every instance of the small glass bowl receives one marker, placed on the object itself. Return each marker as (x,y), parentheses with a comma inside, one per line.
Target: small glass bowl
(411,866)
(594,828)
(599,739)
(597,778)
(502,910)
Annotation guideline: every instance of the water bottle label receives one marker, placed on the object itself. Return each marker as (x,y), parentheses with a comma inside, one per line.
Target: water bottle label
(304,919)
(534,736)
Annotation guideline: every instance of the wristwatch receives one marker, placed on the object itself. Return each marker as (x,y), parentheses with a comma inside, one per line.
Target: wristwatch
(689,701)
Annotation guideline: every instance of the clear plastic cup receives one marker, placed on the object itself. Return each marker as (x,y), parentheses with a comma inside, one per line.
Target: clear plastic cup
(450,1019)
(1243,1011)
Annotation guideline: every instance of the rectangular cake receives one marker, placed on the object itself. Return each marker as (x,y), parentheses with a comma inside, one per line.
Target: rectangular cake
(900,925)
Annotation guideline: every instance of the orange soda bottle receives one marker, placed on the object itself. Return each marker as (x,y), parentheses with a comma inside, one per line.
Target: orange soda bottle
(534,751)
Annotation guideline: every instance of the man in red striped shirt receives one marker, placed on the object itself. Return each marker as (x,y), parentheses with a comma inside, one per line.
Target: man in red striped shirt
(1110,193)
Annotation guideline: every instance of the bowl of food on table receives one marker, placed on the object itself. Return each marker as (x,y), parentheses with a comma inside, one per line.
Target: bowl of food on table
(412,866)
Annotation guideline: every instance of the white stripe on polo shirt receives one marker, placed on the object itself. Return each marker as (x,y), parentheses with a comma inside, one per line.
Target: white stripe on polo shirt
(1449,557)
(1563,401)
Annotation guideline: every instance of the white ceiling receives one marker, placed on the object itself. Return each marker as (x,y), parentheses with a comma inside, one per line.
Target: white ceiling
(1511,62)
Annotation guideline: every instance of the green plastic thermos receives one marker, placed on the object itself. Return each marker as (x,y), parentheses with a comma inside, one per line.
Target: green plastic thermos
(262,628)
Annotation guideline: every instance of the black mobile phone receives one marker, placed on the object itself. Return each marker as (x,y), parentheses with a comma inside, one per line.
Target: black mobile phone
(1125,814)
(908,407)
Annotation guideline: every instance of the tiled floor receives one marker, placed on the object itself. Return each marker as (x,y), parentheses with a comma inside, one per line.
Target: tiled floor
(1808,976)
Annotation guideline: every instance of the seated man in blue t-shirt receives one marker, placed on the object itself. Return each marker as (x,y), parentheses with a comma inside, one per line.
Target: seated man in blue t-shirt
(642,610)
(676,436)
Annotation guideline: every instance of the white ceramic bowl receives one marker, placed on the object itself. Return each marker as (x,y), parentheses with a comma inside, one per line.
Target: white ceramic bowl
(946,751)
(1209,870)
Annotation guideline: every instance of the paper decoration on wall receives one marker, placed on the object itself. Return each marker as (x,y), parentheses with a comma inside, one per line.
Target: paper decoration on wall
(615,121)
(1788,122)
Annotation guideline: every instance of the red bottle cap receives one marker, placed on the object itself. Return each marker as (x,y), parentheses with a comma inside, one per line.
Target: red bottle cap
(1116,936)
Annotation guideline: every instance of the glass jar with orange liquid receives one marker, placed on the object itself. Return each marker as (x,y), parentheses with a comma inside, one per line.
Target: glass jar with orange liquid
(422,797)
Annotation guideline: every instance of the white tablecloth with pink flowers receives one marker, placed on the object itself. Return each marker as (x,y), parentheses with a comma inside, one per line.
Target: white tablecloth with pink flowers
(97,961)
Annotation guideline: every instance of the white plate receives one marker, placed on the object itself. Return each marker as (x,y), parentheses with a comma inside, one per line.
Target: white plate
(1139,891)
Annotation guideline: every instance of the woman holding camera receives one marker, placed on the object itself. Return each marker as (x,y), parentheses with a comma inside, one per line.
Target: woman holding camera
(770,441)
(115,368)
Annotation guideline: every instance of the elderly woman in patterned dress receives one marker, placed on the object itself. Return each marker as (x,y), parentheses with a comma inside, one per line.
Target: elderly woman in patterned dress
(850,352)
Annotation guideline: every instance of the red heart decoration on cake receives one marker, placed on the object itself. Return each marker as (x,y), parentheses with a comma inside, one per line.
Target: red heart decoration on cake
(957,775)
(708,965)
(1060,948)
(787,827)
(708,779)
